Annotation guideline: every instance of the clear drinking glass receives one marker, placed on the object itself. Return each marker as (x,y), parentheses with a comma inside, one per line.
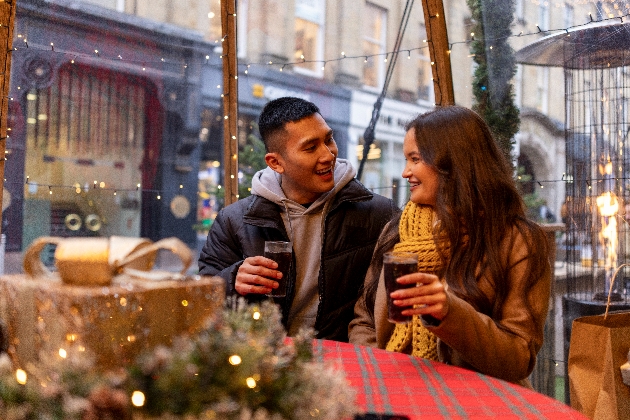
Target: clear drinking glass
(282,253)
(397,264)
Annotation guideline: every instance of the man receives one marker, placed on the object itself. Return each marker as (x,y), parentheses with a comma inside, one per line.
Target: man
(307,196)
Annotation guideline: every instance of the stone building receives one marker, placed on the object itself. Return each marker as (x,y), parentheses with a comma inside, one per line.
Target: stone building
(335,53)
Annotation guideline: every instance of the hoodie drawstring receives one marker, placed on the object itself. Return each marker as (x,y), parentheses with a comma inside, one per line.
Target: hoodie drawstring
(286,209)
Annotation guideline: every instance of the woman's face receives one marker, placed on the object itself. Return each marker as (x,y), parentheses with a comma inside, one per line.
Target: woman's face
(422,178)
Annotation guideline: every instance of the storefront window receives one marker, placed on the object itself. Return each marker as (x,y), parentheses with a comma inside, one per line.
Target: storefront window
(85,142)
(209,197)
(383,169)
(372,172)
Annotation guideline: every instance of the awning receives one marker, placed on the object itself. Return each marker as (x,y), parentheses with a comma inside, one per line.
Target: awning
(594,46)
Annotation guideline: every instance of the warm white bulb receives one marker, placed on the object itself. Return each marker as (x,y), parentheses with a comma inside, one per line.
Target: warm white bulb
(20,376)
(137,399)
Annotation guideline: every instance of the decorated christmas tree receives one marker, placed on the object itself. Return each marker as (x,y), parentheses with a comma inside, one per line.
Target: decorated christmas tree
(240,366)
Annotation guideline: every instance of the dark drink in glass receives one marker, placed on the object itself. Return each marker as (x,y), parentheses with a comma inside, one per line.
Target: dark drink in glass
(398,264)
(281,253)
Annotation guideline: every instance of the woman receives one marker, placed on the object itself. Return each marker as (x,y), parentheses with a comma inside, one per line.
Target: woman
(483,304)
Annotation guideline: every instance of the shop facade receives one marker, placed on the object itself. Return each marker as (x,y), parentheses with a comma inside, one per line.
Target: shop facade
(104,126)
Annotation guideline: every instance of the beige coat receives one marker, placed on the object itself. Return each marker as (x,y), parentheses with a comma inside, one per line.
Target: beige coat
(505,348)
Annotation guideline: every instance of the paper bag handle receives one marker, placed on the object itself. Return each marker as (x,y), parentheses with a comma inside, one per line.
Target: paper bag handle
(612,282)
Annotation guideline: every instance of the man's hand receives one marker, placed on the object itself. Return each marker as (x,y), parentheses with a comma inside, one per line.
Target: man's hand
(429,296)
(255,276)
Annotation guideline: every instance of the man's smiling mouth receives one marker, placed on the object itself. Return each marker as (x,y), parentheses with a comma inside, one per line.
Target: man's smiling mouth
(325,171)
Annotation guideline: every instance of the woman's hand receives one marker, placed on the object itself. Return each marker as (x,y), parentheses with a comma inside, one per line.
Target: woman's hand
(429,296)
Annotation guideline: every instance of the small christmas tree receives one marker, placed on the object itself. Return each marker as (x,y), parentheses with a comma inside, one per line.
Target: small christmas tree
(251,159)
(492,89)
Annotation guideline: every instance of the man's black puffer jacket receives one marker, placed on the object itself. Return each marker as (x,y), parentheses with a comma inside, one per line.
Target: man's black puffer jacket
(351,229)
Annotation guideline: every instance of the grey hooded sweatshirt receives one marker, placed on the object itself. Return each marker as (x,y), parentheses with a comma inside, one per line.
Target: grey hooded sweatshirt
(304,226)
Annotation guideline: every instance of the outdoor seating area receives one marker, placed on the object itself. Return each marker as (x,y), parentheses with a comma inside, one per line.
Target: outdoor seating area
(338,210)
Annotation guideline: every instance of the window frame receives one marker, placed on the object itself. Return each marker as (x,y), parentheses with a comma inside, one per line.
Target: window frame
(317,70)
(380,63)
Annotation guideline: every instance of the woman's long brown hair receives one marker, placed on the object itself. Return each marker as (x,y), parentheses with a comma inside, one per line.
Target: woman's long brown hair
(478,206)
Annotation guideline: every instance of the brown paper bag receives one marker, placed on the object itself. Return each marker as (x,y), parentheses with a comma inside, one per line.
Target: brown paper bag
(598,348)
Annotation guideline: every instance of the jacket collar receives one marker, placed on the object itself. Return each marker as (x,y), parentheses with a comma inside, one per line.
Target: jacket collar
(261,209)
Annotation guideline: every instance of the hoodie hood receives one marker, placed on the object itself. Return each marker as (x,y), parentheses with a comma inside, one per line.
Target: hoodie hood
(267,183)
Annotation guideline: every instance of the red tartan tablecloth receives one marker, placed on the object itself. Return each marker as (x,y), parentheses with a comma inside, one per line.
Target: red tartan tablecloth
(395,383)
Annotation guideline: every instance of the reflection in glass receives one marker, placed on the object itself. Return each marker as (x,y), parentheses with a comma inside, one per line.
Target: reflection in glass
(86,130)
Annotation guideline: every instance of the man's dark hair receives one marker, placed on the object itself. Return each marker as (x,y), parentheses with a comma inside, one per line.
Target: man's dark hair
(279,112)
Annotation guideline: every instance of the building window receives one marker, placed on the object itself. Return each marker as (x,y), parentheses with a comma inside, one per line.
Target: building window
(425,74)
(241,28)
(518,86)
(374,38)
(542,89)
(110,4)
(214,31)
(518,10)
(568,15)
(309,36)
(118,5)
(543,15)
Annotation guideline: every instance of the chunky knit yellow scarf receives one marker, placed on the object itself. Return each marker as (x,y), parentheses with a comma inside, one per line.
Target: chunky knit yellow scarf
(416,235)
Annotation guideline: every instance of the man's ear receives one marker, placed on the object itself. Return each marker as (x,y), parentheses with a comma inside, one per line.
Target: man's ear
(274,161)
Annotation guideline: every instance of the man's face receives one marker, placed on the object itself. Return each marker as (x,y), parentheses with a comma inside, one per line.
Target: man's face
(307,160)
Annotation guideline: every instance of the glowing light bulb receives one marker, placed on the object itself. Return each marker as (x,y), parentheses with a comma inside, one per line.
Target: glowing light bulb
(137,398)
(20,376)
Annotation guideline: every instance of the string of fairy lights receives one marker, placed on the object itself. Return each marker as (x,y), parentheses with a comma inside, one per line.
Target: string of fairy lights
(101,186)
(280,66)
(76,56)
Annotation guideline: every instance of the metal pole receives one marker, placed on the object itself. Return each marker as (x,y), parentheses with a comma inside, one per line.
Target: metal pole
(230,101)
